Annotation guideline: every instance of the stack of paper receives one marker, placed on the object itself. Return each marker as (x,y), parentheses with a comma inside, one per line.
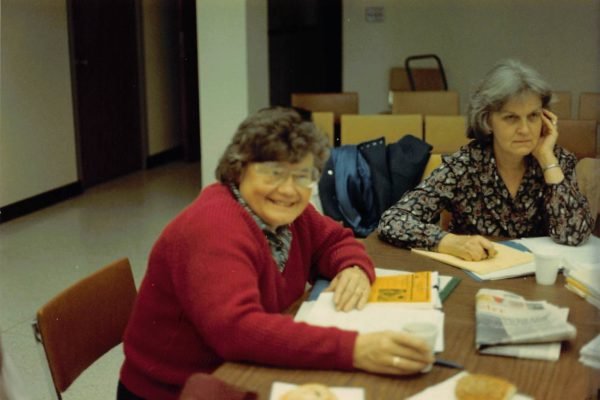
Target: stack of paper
(590,353)
(584,280)
(374,317)
(588,252)
(381,315)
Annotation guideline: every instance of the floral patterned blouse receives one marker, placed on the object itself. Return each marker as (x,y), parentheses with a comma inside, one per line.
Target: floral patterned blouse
(468,185)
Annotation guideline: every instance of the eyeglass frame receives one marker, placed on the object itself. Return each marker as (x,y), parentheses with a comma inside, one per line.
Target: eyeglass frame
(267,169)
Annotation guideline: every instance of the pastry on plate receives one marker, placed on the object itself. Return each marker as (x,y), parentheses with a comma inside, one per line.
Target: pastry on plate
(484,387)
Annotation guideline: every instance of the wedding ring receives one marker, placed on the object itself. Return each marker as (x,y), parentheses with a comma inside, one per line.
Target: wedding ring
(554,122)
(396,361)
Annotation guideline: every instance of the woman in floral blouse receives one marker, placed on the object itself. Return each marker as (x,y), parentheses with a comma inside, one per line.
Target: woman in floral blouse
(511,180)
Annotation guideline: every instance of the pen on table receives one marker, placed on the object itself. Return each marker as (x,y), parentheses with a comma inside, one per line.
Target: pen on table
(447,364)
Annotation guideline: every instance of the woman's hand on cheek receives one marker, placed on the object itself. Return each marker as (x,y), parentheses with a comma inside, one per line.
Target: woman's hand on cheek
(351,289)
(544,151)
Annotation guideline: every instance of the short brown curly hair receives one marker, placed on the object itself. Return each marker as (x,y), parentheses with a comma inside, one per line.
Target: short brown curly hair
(272,134)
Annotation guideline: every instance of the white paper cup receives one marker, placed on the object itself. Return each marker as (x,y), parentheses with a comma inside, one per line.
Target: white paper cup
(546,268)
(426,331)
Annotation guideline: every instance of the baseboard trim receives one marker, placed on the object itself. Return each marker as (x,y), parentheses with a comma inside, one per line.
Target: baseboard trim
(43,200)
(164,157)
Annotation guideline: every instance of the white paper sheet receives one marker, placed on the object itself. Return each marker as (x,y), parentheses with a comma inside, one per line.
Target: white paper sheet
(373,318)
(588,252)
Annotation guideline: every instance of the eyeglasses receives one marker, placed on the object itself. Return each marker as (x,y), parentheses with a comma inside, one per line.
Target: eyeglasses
(274,173)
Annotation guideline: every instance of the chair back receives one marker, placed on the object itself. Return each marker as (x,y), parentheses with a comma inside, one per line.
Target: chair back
(588,171)
(324,121)
(435,159)
(425,103)
(446,133)
(426,79)
(578,136)
(356,129)
(589,106)
(338,103)
(86,320)
(562,104)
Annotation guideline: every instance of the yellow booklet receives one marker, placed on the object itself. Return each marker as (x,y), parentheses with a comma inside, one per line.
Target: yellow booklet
(506,257)
(407,288)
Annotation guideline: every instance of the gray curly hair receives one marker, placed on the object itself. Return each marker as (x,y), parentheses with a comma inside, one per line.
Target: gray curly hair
(272,134)
(506,80)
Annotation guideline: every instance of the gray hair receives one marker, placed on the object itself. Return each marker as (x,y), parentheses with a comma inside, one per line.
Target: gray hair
(506,80)
(272,134)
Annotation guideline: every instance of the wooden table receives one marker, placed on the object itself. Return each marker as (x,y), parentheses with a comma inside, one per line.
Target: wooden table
(566,378)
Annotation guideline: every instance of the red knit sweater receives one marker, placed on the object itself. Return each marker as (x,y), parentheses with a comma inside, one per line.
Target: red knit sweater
(212,292)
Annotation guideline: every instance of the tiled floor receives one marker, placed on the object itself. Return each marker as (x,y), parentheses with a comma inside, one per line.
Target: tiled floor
(46,251)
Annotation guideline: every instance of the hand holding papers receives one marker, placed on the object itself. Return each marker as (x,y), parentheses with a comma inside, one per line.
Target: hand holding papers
(373,318)
(505,258)
(509,325)
(383,315)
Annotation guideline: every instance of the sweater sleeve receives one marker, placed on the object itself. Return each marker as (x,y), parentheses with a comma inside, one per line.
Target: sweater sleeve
(569,218)
(413,220)
(230,290)
(333,246)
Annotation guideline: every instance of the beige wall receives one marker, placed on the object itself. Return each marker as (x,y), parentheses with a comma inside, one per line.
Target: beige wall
(37,139)
(37,136)
(161,54)
(230,64)
(560,38)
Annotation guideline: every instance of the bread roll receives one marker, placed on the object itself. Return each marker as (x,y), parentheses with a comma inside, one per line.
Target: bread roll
(309,391)
(484,387)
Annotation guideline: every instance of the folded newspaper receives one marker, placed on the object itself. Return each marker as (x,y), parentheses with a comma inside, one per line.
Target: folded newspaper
(509,325)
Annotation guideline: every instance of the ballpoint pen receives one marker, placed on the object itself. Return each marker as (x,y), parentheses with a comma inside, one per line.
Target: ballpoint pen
(447,364)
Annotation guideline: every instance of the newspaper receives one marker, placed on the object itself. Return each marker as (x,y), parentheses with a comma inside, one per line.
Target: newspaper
(509,325)
(590,353)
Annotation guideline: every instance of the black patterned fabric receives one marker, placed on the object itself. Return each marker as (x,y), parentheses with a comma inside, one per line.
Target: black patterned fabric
(468,185)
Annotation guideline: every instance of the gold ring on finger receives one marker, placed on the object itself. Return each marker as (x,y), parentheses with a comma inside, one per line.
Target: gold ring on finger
(396,361)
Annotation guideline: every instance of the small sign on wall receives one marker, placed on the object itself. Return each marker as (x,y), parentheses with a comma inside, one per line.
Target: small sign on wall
(374,14)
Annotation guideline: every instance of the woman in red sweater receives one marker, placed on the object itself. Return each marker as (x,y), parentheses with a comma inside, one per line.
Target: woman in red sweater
(224,270)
